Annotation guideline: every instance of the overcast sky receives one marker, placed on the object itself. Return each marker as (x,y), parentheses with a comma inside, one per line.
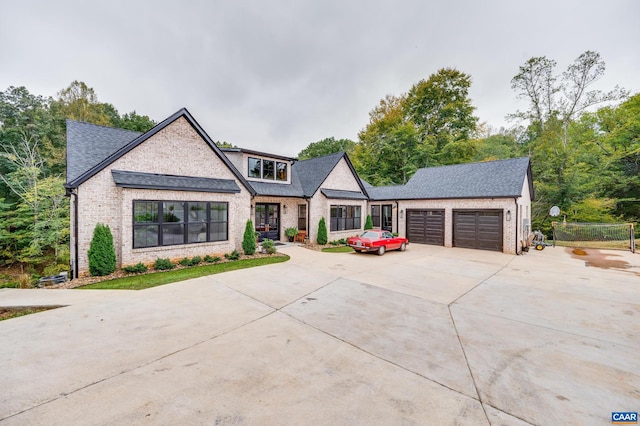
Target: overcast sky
(277,75)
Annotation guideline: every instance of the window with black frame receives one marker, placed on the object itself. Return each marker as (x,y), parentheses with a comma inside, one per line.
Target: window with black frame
(146,224)
(281,171)
(165,223)
(343,218)
(255,167)
(268,169)
(375,215)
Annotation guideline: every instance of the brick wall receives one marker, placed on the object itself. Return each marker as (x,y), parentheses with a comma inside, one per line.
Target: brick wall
(176,150)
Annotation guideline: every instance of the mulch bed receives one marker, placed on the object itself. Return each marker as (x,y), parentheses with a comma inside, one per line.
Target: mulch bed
(82,281)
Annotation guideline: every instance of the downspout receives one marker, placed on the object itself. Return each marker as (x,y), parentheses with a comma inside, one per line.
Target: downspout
(74,268)
(397,217)
(308,219)
(515,201)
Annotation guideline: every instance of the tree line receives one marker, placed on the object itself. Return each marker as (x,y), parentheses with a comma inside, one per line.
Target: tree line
(34,211)
(584,145)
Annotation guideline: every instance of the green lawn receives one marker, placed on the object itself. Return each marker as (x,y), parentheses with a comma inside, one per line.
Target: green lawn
(140,282)
(340,249)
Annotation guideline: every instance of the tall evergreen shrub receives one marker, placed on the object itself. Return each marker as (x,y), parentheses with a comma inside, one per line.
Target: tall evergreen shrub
(322,232)
(102,253)
(249,240)
(368,224)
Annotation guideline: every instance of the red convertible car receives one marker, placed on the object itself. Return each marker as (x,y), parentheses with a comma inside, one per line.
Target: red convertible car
(378,241)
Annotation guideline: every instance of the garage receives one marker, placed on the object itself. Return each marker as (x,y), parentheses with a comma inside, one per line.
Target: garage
(425,226)
(478,229)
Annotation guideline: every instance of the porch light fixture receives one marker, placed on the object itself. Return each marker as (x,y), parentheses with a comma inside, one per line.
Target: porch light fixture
(401,214)
(284,209)
(508,215)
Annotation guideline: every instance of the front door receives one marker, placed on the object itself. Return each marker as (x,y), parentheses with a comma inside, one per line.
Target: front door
(267,221)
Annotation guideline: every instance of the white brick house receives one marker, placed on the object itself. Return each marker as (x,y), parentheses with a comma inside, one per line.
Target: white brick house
(171,192)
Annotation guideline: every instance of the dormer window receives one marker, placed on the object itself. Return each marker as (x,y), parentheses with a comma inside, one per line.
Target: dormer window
(268,169)
(260,168)
(281,171)
(255,167)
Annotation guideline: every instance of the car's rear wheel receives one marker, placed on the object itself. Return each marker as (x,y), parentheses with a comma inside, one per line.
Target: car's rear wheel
(381,250)
(403,246)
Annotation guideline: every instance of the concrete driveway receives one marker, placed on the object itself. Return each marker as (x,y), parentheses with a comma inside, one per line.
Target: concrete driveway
(430,336)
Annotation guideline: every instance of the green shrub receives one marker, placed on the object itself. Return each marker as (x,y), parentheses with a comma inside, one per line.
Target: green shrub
(54,270)
(291,232)
(185,261)
(269,246)
(138,268)
(195,260)
(322,232)
(213,259)
(102,254)
(249,239)
(234,255)
(368,224)
(163,264)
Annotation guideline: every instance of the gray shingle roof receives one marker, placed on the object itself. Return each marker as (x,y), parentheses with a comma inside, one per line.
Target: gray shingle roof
(385,192)
(126,179)
(111,144)
(501,178)
(89,144)
(314,171)
(346,195)
(278,189)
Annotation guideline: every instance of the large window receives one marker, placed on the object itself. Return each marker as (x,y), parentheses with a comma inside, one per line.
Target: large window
(302,217)
(281,171)
(382,218)
(255,167)
(345,218)
(375,215)
(267,169)
(165,223)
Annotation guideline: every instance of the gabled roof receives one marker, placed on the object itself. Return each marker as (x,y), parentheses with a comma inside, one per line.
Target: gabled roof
(88,144)
(491,179)
(314,171)
(141,180)
(96,159)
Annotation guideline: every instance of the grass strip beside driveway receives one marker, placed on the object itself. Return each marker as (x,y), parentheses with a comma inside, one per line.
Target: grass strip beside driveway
(341,249)
(140,282)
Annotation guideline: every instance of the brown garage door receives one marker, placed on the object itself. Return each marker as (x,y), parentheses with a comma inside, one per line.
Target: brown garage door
(425,226)
(478,229)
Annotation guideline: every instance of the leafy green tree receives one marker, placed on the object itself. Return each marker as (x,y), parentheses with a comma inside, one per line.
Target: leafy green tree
(430,125)
(325,147)
(389,151)
(134,121)
(616,133)
(499,146)
(102,254)
(441,109)
(80,102)
(368,224)
(564,156)
(224,144)
(322,232)
(249,239)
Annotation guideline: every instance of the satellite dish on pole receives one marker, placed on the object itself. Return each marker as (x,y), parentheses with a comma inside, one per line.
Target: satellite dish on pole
(555,211)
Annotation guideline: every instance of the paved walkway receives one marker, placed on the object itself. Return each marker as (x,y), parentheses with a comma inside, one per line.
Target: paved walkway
(430,336)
